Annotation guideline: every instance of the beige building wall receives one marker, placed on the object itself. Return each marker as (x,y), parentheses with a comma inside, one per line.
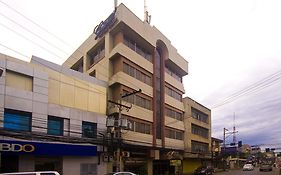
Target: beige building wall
(43,88)
(115,53)
(189,120)
(109,68)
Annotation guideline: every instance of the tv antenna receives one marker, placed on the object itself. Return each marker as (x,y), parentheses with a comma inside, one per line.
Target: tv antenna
(147,17)
(115,4)
(234,129)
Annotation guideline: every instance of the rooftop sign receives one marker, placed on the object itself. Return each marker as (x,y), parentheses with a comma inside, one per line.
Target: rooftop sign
(104,26)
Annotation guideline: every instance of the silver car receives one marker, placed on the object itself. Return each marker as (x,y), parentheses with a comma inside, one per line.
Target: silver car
(121,173)
(248,167)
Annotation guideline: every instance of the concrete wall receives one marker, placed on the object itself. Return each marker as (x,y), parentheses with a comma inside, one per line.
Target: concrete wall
(71,165)
(55,91)
(189,120)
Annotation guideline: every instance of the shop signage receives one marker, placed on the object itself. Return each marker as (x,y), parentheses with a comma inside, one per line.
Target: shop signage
(28,148)
(46,148)
(104,26)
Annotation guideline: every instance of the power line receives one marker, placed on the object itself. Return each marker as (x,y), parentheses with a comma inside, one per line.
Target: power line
(54,36)
(255,87)
(33,33)
(21,35)
(36,24)
(14,51)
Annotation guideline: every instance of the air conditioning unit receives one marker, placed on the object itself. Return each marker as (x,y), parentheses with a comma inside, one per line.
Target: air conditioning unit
(105,158)
(130,125)
(123,123)
(110,122)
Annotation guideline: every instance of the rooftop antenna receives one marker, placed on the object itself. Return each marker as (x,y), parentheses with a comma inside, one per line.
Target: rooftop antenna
(234,129)
(147,17)
(115,4)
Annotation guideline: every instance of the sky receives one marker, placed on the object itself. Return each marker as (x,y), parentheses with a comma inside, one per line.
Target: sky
(233,49)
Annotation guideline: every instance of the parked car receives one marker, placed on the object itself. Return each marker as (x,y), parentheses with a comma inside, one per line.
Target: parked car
(120,173)
(248,167)
(204,170)
(266,167)
(33,173)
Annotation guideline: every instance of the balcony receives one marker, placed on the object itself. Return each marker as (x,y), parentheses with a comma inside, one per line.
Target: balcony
(174,143)
(174,123)
(125,79)
(171,80)
(131,55)
(173,102)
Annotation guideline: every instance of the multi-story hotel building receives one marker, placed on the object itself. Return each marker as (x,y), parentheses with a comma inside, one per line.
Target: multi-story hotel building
(130,54)
(60,117)
(50,117)
(198,135)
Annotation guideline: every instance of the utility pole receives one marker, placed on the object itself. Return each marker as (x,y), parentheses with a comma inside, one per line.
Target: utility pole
(225,135)
(224,130)
(118,129)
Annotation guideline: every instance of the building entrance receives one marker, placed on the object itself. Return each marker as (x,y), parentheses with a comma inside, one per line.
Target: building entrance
(48,164)
(162,167)
(9,163)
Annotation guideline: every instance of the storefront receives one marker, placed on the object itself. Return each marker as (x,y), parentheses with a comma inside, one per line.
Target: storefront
(38,156)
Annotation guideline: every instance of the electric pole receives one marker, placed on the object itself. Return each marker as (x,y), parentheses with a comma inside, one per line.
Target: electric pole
(118,128)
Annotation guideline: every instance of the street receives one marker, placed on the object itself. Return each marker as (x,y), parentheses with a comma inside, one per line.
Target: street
(255,172)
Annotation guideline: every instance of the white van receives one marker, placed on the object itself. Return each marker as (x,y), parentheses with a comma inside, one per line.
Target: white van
(33,173)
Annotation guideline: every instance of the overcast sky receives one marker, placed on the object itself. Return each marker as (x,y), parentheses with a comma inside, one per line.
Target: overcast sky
(230,45)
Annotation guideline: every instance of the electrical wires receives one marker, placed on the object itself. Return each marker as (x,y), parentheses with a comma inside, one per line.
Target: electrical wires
(253,88)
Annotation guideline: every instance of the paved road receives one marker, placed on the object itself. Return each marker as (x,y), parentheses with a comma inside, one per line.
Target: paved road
(254,172)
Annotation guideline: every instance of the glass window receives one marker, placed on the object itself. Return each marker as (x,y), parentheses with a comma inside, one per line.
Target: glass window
(17,120)
(55,126)
(174,134)
(199,115)
(199,147)
(89,129)
(78,66)
(198,130)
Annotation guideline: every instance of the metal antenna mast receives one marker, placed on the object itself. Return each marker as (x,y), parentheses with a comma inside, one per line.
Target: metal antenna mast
(115,4)
(234,129)
(147,17)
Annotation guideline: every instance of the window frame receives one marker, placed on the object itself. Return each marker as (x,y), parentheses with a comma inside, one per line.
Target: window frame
(51,131)
(94,131)
(10,113)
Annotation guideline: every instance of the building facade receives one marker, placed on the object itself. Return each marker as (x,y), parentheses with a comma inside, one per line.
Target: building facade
(50,117)
(130,55)
(197,135)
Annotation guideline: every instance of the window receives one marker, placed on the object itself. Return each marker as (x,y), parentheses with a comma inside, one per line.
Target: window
(17,120)
(174,114)
(137,48)
(173,93)
(199,147)
(133,72)
(199,115)
(89,129)
(173,74)
(140,127)
(19,81)
(55,126)
(93,73)
(198,130)
(78,66)
(95,55)
(174,134)
(88,169)
(138,100)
